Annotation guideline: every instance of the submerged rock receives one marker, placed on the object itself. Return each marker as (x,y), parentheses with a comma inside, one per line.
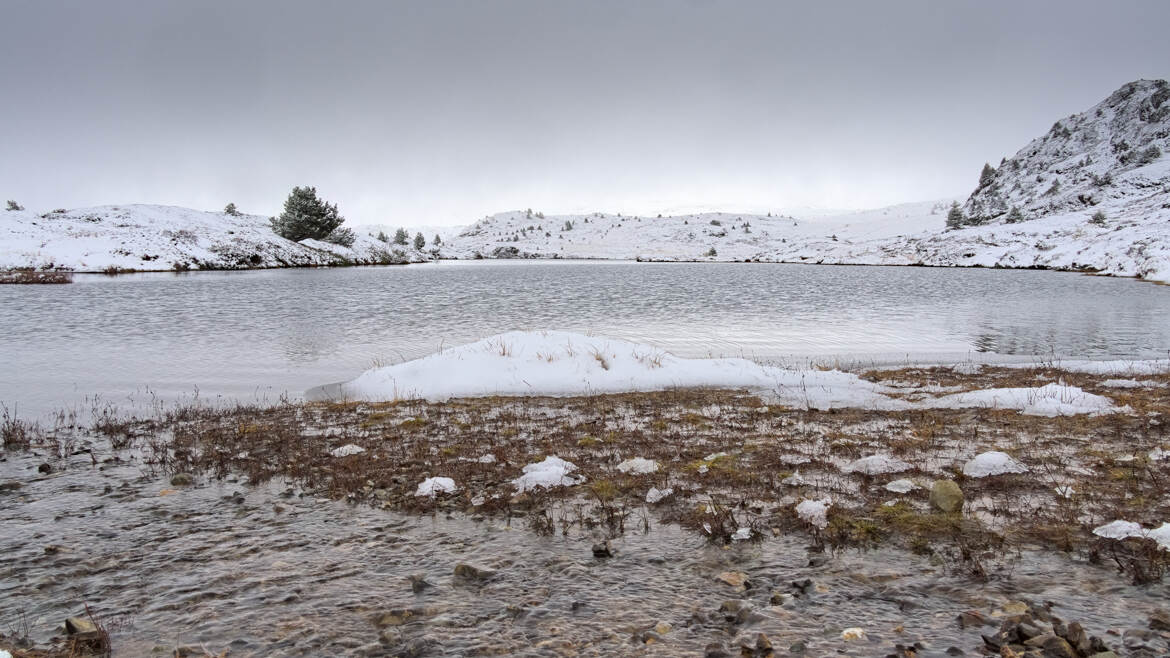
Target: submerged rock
(946,496)
(469,572)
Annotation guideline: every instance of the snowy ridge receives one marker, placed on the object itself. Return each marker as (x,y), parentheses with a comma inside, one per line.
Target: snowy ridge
(1109,213)
(148,238)
(1112,156)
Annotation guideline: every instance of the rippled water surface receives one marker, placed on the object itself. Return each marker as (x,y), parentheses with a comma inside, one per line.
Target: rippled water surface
(260,572)
(264,333)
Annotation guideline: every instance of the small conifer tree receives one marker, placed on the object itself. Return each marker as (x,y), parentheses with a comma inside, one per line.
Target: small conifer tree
(230,209)
(437,241)
(382,237)
(419,241)
(12,205)
(305,216)
(987,175)
(955,218)
(401,236)
(1014,216)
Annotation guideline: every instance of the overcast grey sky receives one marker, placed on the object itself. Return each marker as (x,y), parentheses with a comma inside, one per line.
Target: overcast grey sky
(441,112)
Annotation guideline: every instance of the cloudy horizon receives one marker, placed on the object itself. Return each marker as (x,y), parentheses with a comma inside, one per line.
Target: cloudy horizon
(441,112)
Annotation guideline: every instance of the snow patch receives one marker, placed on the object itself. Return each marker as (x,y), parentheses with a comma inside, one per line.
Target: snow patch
(876,465)
(814,512)
(901,486)
(1048,400)
(655,494)
(552,472)
(436,485)
(638,466)
(347,450)
(992,463)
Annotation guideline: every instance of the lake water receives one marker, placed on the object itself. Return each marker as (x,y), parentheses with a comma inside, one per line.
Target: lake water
(260,334)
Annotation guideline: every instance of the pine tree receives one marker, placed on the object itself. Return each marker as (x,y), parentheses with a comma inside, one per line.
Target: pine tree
(986,176)
(305,216)
(955,218)
(419,241)
(401,236)
(437,241)
(382,237)
(568,226)
(230,209)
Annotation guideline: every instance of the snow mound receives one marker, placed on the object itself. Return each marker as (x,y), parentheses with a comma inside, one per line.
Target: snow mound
(347,450)
(1123,383)
(992,463)
(814,512)
(552,472)
(638,466)
(876,465)
(436,485)
(901,486)
(794,480)
(1047,400)
(562,363)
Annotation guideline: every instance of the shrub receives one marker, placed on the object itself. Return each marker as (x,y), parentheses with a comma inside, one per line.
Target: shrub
(230,209)
(568,226)
(382,237)
(305,216)
(1098,218)
(341,236)
(1014,216)
(12,205)
(1149,155)
(1054,189)
(711,252)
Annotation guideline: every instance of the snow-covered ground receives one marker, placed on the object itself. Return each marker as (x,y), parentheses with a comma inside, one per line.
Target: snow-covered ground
(146,237)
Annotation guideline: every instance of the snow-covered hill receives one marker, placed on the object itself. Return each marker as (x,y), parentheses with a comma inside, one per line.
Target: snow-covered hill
(1110,158)
(145,237)
(1109,213)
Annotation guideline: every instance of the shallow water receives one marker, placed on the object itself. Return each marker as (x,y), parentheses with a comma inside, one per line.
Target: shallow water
(264,333)
(295,575)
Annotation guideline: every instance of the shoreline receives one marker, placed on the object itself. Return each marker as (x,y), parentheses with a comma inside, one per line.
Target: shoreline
(721,462)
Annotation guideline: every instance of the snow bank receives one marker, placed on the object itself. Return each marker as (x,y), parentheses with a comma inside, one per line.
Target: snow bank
(552,472)
(437,485)
(347,450)
(876,465)
(1047,400)
(638,466)
(992,463)
(564,364)
(814,512)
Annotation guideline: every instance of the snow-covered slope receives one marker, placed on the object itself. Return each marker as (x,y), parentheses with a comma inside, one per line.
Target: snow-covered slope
(1111,157)
(732,236)
(1110,213)
(145,237)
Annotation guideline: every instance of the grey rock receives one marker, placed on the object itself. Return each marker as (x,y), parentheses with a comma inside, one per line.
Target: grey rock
(182,480)
(946,496)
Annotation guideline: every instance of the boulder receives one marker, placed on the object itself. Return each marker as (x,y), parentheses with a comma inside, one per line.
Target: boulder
(946,496)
